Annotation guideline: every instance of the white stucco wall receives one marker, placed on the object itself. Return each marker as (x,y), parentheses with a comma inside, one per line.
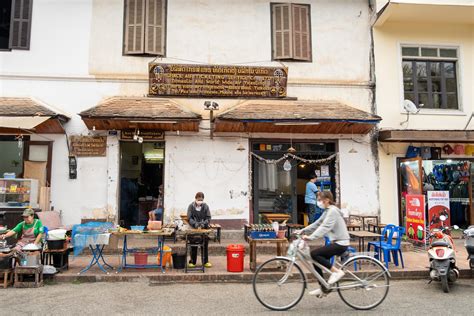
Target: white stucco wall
(215,167)
(76,60)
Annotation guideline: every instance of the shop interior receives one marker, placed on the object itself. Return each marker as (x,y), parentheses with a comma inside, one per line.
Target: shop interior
(12,155)
(455,176)
(141,174)
(281,187)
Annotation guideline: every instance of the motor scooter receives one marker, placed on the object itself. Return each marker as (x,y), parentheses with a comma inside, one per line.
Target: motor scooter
(442,256)
(469,244)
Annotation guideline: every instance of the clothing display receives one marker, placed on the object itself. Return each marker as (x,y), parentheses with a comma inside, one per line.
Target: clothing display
(453,177)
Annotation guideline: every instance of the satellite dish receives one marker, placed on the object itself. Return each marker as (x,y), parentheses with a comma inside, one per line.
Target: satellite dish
(410,107)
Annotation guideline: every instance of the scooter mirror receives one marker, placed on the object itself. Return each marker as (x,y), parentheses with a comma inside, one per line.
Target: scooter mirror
(456,227)
(442,217)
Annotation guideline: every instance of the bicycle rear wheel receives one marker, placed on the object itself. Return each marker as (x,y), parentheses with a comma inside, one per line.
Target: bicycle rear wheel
(365,284)
(279,284)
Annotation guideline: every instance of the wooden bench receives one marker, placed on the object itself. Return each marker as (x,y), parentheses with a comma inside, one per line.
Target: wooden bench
(281,218)
(7,277)
(281,244)
(50,256)
(215,227)
(22,271)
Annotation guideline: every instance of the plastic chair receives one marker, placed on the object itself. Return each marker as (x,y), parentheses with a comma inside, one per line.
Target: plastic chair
(349,249)
(387,236)
(395,249)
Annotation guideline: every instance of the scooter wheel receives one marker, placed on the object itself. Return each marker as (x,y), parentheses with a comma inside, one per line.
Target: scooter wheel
(444,283)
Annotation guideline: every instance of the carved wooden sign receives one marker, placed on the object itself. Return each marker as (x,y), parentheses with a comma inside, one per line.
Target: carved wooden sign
(146,134)
(88,146)
(217,81)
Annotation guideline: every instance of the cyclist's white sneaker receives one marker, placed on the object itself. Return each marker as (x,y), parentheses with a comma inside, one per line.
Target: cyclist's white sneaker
(336,276)
(318,293)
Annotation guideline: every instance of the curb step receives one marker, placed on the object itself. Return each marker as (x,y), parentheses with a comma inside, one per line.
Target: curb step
(244,277)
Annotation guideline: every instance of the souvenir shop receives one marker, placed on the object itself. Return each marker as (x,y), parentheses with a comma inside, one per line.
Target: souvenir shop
(439,174)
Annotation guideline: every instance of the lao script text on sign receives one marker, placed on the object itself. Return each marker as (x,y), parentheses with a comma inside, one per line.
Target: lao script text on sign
(145,134)
(217,81)
(88,146)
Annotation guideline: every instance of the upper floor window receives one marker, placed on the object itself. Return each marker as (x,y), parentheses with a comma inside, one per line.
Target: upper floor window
(430,76)
(291,33)
(15,24)
(145,27)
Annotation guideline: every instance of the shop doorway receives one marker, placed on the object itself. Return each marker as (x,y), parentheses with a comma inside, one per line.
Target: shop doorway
(141,174)
(280,189)
(452,176)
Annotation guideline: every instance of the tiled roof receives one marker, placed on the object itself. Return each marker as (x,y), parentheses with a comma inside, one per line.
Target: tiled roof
(139,107)
(23,107)
(291,110)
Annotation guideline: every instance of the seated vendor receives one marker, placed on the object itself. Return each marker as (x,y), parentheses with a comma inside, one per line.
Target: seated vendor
(199,216)
(29,231)
(157,214)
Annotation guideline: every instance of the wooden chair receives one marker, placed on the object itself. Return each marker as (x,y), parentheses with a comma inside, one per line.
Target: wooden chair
(355,222)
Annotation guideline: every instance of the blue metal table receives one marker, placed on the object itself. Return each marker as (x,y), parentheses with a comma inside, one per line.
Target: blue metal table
(96,244)
(160,235)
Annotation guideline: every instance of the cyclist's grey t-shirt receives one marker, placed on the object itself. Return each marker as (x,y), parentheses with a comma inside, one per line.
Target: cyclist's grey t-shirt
(332,224)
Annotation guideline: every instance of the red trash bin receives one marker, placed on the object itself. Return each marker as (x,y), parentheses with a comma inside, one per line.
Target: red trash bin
(235,258)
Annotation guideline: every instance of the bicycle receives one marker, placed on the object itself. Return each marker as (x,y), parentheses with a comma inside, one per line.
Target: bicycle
(366,278)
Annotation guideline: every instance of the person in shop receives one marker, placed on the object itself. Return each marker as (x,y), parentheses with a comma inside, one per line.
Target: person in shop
(157,214)
(310,199)
(29,231)
(199,216)
(331,224)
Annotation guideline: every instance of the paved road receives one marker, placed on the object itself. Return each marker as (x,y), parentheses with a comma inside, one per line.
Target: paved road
(405,297)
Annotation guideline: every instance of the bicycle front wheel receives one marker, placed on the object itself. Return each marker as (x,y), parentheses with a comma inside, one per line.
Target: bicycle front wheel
(279,284)
(365,284)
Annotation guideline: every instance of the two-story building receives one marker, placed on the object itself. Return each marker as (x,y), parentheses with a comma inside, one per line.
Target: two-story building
(424,60)
(287,78)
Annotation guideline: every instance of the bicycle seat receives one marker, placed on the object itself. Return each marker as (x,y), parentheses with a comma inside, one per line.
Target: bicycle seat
(440,244)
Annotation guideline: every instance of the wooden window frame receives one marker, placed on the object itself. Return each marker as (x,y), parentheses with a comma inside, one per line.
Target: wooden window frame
(444,94)
(165,33)
(310,44)
(30,14)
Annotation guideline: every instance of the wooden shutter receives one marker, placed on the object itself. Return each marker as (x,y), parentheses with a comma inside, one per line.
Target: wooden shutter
(301,32)
(281,31)
(21,24)
(134,27)
(155,27)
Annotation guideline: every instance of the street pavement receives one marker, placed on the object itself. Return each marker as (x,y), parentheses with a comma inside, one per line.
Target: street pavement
(145,298)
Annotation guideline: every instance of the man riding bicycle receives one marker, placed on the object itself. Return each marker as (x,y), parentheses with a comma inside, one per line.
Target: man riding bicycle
(331,224)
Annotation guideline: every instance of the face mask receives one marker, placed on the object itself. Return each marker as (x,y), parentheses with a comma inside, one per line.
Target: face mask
(320,204)
(199,202)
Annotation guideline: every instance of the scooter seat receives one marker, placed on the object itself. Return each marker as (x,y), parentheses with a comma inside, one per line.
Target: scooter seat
(439,244)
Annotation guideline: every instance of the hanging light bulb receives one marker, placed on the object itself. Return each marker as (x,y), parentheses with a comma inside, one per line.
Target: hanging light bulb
(20,141)
(353,151)
(291,150)
(240,148)
(287,165)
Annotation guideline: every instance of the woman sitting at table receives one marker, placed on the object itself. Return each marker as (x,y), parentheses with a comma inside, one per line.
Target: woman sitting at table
(199,216)
(29,231)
